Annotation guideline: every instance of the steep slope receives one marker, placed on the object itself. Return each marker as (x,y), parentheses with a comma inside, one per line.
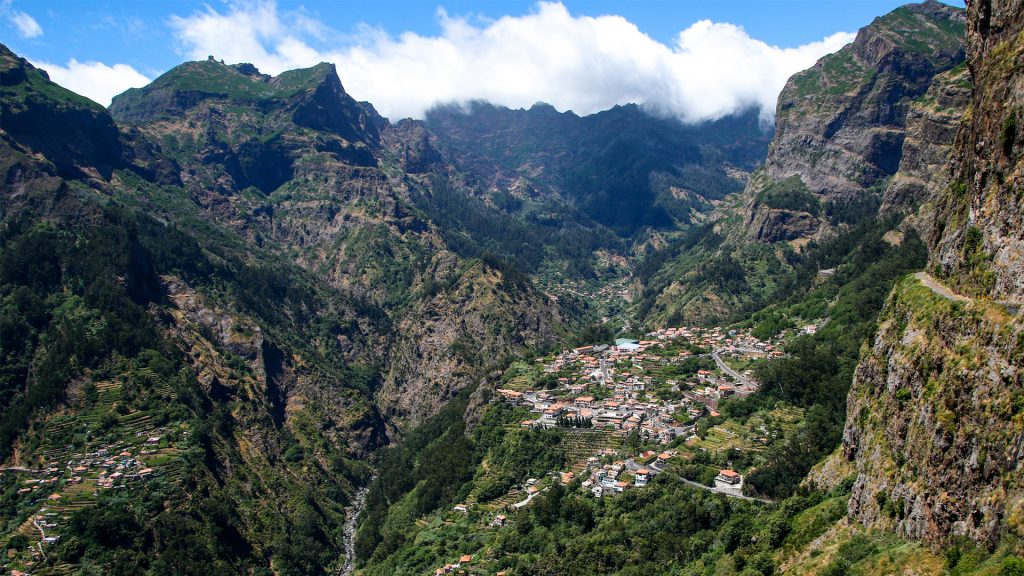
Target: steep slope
(979,249)
(934,427)
(841,132)
(840,125)
(296,165)
(932,123)
(182,370)
(35,109)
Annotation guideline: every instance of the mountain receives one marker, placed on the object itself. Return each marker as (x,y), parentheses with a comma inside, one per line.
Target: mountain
(154,349)
(841,131)
(296,165)
(841,125)
(934,422)
(622,168)
(229,264)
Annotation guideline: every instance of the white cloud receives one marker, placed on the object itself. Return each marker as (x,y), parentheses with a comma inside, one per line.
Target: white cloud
(584,64)
(26,25)
(94,80)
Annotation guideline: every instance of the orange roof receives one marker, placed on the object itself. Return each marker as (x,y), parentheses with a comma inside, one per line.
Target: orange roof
(465,558)
(729,473)
(643,471)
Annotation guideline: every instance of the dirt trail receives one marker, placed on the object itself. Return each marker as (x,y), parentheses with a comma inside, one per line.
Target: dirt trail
(939,288)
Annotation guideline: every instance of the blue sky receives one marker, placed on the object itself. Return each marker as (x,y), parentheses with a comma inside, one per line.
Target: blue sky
(693,59)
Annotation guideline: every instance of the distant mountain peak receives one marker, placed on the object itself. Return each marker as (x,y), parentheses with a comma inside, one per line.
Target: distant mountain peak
(190,83)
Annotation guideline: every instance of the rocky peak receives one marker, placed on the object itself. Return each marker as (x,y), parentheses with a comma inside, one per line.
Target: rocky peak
(840,125)
(924,29)
(314,97)
(217,119)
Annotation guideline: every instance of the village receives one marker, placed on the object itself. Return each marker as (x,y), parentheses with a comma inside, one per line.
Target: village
(70,479)
(655,389)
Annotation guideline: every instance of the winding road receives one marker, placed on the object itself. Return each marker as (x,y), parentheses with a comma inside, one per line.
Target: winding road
(522,503)
(42,537)
(725,368)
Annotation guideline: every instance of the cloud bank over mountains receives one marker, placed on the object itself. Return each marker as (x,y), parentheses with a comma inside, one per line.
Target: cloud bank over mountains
(579,63)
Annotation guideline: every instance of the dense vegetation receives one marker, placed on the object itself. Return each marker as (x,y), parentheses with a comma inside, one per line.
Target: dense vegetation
(472,229)
(789,194)
(819,368)
(435,467)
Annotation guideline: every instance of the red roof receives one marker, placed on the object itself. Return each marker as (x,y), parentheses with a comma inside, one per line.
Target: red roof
(728,473)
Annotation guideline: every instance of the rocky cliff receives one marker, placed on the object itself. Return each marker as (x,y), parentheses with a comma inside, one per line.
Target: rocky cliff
(932,123)
(935,426)
(842,130)
(841,125)
(978,247)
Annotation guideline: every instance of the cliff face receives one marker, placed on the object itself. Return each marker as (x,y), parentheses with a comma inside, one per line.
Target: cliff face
(36,109)
(841,125)
(979,246)
(935,426)
(932,124)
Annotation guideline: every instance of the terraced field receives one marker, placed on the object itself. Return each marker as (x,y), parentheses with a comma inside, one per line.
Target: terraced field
(733,434)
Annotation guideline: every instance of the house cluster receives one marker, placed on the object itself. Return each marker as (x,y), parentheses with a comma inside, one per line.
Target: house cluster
(622,413)
(606,387)
(621,475)
(109,466)
(727,343)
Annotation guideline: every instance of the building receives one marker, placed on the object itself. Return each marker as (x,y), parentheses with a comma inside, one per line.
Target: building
(729,477)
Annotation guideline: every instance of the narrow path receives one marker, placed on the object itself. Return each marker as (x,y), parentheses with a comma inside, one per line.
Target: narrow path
(730,495)
(522,503)
(351,514)
(42,536)
(939,288)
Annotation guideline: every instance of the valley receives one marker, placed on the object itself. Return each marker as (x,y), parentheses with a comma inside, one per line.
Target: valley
(248,325)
